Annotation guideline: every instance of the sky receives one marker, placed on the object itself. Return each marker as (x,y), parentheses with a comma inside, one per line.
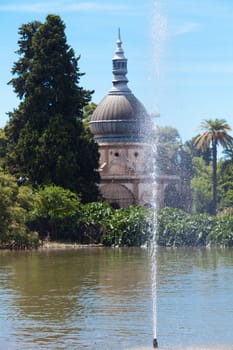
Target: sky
(180,53)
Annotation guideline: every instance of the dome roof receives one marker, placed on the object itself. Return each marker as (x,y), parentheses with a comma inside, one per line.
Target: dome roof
(120,116)
(119,107)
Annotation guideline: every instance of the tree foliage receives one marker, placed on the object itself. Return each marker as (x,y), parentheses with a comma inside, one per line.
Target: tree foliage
(128,227)
(216,132)
(179,229)
(94,220)
(172,159)
(15,204)
(225,185)
(53,207)
(201,186)
(3,146)
(167,142)
(47,139)
(194,152)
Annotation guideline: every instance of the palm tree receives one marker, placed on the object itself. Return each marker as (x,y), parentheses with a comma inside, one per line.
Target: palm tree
(215,133)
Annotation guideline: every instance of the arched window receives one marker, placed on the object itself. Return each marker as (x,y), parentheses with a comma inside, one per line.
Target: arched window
(117,194)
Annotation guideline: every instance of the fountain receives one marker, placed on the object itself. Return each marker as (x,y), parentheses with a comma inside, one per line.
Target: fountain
(153,254)
(159,34)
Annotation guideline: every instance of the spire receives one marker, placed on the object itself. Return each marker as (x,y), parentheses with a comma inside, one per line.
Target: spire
(119,70)
(119,34)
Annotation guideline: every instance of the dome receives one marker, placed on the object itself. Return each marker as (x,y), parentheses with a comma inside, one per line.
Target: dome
(119,117)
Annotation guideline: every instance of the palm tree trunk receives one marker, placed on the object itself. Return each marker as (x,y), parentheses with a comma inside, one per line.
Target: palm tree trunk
(214,203)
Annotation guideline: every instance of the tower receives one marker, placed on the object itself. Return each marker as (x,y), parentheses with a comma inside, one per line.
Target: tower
(121,126)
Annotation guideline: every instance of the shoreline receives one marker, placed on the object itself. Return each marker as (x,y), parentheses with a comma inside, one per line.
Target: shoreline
(59,245)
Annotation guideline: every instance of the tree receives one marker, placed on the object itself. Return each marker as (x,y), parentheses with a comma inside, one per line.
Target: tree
(47,139)
(172,159)
(53,207)
(89,109)
(225,185)
(3,145)
(215,133)
(167,142)
(194,152)
(201,186)
(15,204)
(172,197)
(225,182)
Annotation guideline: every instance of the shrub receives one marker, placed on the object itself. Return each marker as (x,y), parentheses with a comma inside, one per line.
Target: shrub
(15,203)
(94,219)
(128,227)
(178,228)
(222,233)
(54,213)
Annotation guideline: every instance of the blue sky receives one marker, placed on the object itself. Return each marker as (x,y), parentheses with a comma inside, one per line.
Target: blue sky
(180,53)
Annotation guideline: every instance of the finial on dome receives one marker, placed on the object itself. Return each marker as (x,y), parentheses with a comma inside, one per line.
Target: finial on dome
(119,34)
(119,53)
(119,69)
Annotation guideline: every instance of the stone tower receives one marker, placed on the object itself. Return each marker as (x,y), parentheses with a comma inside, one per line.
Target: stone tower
(121,127)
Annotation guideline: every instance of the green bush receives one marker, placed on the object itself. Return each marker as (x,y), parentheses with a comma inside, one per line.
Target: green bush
(176,228)
(58,213)
(93,222)
(20,240)
(54,212)
(222,233)
(128,227)
(15,204)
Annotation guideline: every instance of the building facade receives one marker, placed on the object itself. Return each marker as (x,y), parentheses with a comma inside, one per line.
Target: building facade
(122,128)
(120,124)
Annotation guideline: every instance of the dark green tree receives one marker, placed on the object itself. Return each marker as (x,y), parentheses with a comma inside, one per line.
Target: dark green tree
(3,145)
(47,139)
(225,185)
(201,186)
(216,132)
(195,152)
(167,141)
(225,182)
(172,159)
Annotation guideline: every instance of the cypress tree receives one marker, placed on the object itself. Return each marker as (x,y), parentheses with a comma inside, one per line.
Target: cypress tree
(47,139)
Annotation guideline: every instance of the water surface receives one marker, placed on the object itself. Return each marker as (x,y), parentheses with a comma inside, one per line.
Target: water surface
(97,298)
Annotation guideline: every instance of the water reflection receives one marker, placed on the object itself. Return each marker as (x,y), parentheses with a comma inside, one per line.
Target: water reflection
(101,299)
(76,298)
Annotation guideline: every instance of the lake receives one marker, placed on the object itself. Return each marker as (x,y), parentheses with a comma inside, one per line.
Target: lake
(100,298)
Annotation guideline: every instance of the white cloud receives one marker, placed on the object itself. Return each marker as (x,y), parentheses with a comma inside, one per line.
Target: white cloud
(185,28)
(63,6)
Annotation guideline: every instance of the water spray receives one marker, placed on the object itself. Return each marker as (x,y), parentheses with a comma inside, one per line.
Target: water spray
(159,33)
